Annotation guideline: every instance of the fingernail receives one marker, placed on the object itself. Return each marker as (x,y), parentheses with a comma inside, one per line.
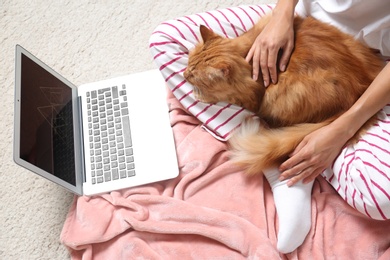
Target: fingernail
(283,68)
(254,77)
(265,83)
(289,183)
(281,178)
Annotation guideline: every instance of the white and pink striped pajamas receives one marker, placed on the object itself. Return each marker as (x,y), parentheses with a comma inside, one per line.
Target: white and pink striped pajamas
(361,174)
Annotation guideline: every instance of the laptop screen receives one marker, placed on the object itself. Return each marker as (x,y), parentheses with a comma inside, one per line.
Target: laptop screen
(46,122)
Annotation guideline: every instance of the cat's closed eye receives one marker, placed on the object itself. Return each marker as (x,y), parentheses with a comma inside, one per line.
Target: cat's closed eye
(188,73)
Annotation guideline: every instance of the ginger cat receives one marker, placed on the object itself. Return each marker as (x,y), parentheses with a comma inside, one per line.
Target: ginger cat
(327,72)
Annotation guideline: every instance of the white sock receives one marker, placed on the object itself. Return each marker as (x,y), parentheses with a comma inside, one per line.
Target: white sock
(293,206)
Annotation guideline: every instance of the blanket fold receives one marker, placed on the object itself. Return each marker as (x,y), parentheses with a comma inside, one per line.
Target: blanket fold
(212,211)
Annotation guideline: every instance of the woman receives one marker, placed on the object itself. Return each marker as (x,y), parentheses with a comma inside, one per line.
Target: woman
(365,188)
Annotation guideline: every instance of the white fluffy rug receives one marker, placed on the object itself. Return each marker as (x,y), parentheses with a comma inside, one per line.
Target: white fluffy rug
(84,41)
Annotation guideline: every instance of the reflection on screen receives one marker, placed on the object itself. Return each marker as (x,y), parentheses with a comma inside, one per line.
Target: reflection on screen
(46,137)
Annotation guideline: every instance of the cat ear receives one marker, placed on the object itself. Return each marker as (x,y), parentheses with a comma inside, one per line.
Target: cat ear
(206,33)
(220,72)
(224,70)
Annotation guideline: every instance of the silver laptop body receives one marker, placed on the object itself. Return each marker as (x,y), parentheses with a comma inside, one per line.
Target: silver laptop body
(97,137)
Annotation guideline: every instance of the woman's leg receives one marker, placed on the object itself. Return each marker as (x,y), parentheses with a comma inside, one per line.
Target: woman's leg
(361,173)
(170,44)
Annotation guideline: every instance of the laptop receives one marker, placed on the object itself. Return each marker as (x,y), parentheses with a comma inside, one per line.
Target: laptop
(95,138)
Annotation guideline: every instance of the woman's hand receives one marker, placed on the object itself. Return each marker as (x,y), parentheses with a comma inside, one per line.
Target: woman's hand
(277,35)
(313,155)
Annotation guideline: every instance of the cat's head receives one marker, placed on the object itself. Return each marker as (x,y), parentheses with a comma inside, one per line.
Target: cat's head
(218,70)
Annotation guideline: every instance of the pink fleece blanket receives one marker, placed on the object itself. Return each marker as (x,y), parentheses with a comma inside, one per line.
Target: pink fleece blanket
(212,211)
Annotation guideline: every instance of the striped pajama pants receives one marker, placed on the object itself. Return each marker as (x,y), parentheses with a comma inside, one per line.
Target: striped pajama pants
(360,174)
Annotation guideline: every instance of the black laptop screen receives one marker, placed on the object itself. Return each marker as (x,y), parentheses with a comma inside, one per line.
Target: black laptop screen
(46,135)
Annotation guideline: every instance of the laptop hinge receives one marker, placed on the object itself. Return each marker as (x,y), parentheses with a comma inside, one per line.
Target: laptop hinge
(80,118)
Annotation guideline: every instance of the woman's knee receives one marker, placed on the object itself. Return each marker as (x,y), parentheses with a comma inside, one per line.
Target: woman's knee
(373,194)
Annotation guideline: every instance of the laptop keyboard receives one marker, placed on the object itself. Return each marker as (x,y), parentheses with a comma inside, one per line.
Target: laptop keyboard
(110,143)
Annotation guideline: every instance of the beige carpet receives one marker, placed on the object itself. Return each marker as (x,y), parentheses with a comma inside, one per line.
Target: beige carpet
(84,41)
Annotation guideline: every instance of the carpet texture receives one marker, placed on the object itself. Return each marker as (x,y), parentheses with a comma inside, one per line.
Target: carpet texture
(84,41)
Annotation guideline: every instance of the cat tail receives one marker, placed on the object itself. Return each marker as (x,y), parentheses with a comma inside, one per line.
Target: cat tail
(256,147)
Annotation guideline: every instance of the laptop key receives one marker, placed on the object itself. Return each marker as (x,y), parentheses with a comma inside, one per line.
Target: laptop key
(131,173)
(126,131)
(107,176)
(125,111)
(115,92)
(115,174)
(129,151)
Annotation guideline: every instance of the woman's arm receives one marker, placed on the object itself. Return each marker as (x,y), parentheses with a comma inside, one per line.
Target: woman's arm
(318,150)
(277,35)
